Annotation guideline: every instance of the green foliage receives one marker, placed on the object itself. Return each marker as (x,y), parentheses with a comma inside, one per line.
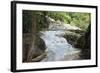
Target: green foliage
(27,21)
(40,20)
(81,20)
(60,16)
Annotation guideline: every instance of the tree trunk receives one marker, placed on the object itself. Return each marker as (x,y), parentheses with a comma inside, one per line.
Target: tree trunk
(33,34)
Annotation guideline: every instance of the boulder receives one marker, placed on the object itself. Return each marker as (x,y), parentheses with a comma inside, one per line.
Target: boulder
(71,37)
(32,48)
(84,43)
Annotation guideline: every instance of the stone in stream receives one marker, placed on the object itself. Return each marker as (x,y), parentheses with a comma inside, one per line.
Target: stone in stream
(75,55)
(71,37)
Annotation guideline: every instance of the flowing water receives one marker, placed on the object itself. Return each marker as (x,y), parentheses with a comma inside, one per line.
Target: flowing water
(57,45)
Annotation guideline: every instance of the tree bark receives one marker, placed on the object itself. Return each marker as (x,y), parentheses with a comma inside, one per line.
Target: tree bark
(33,34)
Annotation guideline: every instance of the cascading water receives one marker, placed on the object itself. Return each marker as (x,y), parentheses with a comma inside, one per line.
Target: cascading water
(57,46)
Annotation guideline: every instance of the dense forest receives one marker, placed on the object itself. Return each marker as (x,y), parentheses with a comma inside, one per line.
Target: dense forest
(36,21)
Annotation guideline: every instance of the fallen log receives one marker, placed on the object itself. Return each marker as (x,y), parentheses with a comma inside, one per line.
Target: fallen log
(40,57)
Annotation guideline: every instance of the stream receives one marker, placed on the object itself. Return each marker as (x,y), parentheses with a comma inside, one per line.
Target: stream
(57,46)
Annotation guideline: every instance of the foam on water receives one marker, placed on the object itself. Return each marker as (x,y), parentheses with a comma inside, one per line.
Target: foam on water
(57,46)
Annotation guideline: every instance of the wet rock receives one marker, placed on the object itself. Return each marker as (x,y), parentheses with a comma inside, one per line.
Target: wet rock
(71,27)
(75,55)
(71,37)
